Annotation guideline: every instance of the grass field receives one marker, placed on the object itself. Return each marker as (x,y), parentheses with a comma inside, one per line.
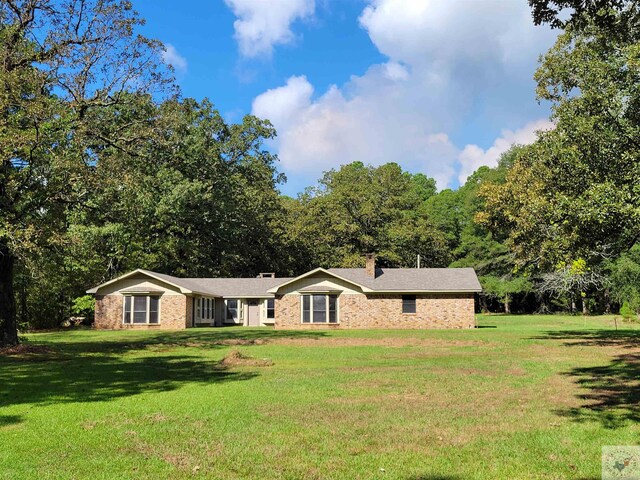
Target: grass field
(522,397)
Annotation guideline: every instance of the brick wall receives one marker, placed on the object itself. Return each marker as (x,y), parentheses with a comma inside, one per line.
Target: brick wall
(174,313)
(385,311)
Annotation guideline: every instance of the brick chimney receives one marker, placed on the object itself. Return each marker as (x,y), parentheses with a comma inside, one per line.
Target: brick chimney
(371,265)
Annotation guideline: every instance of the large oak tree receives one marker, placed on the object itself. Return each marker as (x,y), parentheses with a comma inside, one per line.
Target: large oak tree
(60,63)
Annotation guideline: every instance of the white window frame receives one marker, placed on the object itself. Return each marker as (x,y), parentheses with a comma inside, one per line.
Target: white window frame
(266,309)
(239,311)
(326,295)
(148,309)
(205,309)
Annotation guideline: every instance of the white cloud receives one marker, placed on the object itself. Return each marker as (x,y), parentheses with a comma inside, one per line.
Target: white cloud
(261,24)
(282,104)
(171,56)
(451,64)
(472,156)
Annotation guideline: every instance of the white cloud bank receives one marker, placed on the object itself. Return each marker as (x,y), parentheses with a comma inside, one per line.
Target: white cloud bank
(453,67)
(473,157)
(261,24)
(171,57)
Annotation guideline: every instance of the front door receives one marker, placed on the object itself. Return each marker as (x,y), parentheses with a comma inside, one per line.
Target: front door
(253,319)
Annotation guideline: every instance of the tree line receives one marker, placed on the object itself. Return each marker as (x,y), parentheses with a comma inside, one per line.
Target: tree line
(105,167)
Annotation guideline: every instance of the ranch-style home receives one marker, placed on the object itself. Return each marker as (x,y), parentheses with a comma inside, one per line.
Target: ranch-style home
(367,297)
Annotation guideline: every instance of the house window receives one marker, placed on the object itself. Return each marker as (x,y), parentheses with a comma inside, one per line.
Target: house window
(205,308)
(319,308)
(141,309)
(154,303)
(127,309)
(271,308)
(408,304)
(234,309)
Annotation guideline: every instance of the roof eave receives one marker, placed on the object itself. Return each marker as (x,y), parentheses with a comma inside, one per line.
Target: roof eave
(275,289)
(148,273)
(266,295)
(429,291)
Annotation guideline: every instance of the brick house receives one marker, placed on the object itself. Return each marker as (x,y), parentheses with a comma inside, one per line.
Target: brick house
(367,297)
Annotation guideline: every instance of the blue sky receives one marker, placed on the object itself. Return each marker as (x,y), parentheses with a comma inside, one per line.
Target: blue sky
(440,87)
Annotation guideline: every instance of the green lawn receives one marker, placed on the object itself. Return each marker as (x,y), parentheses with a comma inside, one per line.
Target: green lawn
(524,397)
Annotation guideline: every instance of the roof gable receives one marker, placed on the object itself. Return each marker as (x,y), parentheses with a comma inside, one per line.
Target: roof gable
(179,283)
(316,271)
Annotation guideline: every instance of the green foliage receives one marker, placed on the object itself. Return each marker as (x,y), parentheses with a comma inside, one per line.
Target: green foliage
(574,193)
(91,189)
(359,209)
(61,67)
(625,279)
(83,306)
(578,13)
(626,311)
(504,288)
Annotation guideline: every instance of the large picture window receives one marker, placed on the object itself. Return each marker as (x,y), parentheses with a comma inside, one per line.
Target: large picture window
(319,308)
(408,304)
(141,309)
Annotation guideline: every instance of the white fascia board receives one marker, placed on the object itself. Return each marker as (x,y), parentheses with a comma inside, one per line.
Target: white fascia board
(143,272)
(319,270)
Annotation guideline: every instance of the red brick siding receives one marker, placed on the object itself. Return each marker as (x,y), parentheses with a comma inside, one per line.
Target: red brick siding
(385,311)
(174,313)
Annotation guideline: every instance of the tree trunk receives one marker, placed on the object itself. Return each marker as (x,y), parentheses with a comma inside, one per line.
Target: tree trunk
(607,302)
(8,325)
(584,306)
(573,304)
(483,304)
(507,307)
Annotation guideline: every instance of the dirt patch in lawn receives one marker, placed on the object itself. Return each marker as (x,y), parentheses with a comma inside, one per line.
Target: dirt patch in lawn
(242,341)
(397,342)
(236,358)
(24,349)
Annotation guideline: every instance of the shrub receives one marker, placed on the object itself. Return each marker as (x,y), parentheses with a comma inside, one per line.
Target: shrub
(84,307)
(626,311)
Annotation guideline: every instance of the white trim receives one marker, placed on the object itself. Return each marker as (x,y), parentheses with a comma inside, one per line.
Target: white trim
(240,316)
(266,318)
(202,315)
(147,309)
(144,272)
(319,270)
(231,297)
(327,311)
(417,292)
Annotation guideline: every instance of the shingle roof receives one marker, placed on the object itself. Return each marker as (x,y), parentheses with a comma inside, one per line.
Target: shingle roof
(386,280)
(414,279)
(218,287)
(240,287)
(223,287)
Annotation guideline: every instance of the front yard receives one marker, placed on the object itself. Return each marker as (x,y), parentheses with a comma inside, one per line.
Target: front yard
(523,397)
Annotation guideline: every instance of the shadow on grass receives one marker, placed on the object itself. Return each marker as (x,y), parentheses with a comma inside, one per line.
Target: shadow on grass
(127,340)
(613,390)
(100,378)
(100,368)
(6,420)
